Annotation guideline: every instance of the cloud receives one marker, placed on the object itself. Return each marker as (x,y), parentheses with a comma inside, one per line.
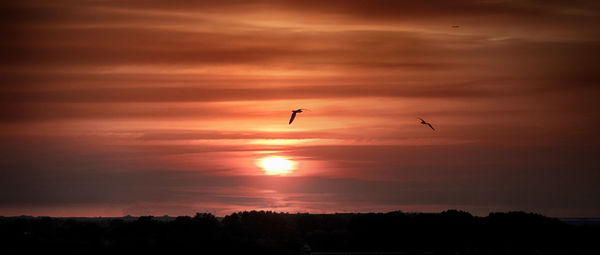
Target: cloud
(73,174)
(216,134)
(152,107)
(208,94)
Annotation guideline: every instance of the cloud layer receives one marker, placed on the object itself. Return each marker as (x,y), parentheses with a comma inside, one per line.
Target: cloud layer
(117,107)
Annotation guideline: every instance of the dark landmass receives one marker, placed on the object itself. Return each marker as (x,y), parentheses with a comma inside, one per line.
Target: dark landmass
(449,232)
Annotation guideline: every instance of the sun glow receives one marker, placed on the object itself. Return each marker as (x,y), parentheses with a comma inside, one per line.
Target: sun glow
(277,165)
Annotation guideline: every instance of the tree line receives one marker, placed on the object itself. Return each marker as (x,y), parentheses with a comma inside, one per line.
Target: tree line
(264,232)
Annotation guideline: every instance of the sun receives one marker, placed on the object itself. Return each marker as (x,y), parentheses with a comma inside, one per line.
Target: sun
(277,165)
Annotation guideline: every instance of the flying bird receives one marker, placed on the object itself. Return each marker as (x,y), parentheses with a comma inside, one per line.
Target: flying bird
(426,123)
(294,115)
(455,26)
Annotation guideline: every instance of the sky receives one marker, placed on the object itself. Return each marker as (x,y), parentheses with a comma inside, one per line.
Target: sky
(111,108)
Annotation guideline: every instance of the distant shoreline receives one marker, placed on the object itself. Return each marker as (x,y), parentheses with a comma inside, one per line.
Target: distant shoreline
(166,218)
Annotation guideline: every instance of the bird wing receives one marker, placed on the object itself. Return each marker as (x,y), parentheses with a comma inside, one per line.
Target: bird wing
(292,118)
(421,119)
(430,126)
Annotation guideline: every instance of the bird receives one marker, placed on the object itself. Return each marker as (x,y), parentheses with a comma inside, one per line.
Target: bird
(455,26)
(426,123)
(294,115)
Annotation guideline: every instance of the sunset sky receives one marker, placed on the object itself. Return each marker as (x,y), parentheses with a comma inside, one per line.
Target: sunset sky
(110,108)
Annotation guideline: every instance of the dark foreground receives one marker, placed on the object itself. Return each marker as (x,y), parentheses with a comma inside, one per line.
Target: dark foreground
(449,232)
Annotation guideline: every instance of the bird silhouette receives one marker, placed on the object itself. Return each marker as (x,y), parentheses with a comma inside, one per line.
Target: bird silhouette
(426,123)
(455,26)
(294,115)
